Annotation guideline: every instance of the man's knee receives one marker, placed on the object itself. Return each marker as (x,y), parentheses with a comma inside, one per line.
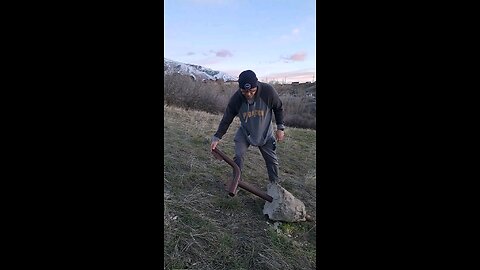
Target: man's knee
(270,158)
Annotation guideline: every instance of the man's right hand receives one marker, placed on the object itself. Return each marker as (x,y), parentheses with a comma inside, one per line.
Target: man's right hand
(213,145)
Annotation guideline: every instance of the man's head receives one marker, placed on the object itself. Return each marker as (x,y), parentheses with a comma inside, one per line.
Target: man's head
(247,81)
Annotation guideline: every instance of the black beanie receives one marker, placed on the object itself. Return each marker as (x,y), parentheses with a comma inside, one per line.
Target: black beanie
(247,80)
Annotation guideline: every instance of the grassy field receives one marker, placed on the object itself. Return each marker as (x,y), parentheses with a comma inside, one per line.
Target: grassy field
(204,228)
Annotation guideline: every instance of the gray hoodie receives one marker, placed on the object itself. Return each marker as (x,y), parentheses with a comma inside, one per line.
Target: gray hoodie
(255,118)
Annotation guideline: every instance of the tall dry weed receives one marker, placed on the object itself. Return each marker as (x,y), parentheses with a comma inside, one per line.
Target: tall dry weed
(213,97)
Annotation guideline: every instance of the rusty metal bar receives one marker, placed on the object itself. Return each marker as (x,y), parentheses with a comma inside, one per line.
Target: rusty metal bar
(255,191)
(232,186)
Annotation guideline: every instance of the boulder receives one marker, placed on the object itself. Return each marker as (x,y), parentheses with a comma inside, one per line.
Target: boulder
(284,206)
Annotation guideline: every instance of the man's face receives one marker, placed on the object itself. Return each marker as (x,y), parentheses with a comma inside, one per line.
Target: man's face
(249,93)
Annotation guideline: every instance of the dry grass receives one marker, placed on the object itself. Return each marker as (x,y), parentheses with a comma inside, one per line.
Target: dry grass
(204,228)
(298,101)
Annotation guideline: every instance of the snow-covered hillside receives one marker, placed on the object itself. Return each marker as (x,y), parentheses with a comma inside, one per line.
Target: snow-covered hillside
(197,72)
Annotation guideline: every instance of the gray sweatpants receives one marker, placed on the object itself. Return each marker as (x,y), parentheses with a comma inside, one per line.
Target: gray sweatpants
(267,150)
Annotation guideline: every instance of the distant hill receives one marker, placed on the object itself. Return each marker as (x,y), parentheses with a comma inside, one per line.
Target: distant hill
(195,71)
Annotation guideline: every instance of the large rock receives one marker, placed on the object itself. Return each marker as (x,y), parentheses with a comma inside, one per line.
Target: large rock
(284,206)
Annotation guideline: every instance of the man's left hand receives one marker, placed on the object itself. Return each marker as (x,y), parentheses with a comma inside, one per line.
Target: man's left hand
(280,135)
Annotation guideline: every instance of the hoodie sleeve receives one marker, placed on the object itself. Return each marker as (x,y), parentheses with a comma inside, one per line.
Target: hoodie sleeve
(230,112)
(277,107)
(276,104)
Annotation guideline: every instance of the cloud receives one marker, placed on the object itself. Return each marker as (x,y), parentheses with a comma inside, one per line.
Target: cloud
(223,53)
(300,56)
(190,53)
(294,35)
(220,53)
(291,76)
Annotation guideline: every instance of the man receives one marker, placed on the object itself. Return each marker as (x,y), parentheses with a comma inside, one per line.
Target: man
(254,103)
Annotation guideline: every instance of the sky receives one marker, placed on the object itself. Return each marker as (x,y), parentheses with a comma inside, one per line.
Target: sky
(274,38)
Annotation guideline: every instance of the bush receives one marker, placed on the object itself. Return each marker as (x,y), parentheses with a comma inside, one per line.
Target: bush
(299,111)
(183,91)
